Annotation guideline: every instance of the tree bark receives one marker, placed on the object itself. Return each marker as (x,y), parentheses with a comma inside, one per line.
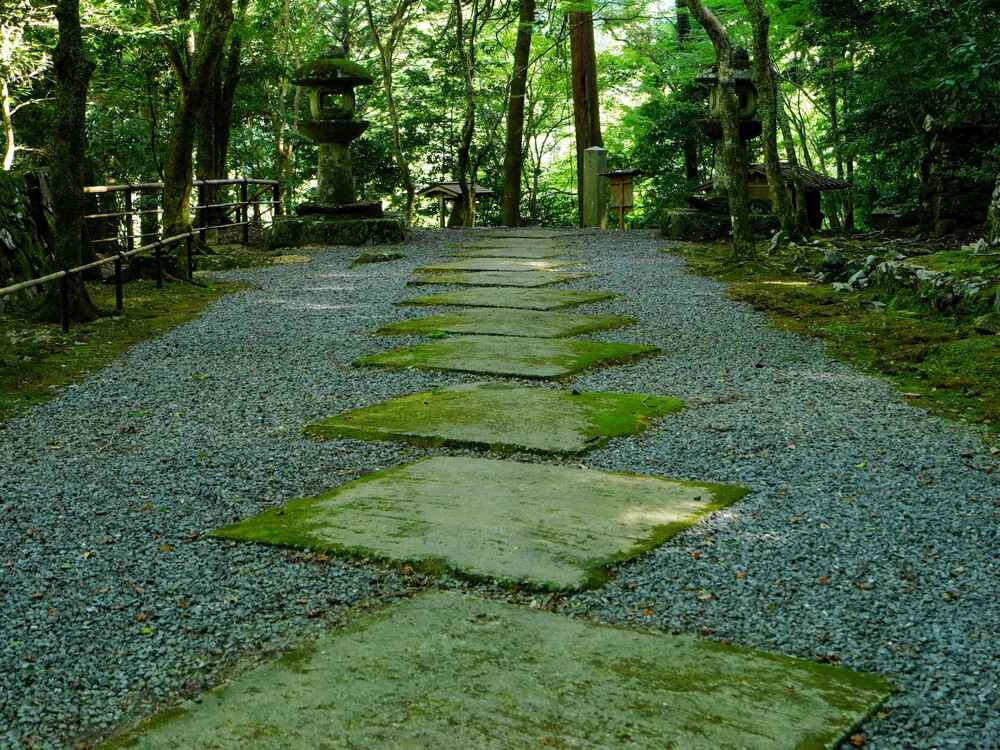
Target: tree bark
(733,154)
(993,216)
(586,105)
(67,158)
(387,44)
(195,72)
(800,212)
(513,161)
(7,120)
(767,103)
(690,143)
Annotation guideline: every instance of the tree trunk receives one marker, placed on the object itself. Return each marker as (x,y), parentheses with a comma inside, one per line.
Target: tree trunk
(690,143)
(831,97)
(993,216)
(733,154)
(586,106)
(67,158)
(465,207)
(801,214)
(214,20)
(7,120)
(513,160)
(767,91)
(387,50)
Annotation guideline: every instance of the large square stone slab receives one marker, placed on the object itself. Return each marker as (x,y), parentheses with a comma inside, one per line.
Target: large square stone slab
(496,278)
(453,671)
(501,417)
(503,355)
(497,322)
(497,264)
(548,527)
(531,251)
(522,299)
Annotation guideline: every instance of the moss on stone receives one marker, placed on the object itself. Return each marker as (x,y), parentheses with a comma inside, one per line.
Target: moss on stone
(537,358)
(501,417)
(505,297)
(516,323)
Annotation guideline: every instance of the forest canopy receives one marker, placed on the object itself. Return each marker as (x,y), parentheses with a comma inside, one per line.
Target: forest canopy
(898,97)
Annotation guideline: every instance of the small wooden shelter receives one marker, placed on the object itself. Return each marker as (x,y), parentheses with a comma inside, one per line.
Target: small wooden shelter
(447,192)
(813,185)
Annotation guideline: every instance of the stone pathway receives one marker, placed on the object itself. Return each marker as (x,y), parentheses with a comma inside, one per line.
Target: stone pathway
(487,674)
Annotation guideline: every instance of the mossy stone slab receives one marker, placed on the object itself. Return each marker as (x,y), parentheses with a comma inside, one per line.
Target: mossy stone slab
(539,358)
(501,417)
(506,297)
(454,671)
(535,252)
(496,322)
(547,527)
(497,264)
(526,279)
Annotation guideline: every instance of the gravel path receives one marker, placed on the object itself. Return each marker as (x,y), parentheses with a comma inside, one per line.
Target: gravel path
(871,537)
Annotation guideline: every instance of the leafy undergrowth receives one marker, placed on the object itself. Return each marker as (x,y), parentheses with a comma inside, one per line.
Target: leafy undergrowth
(37,359)
(939,362)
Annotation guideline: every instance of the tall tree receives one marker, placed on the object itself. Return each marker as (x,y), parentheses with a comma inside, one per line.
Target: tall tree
(215,120)
(387,32)
(586,105)
(195,61)
(513,161)
(767,98)
(690,142)
(67,155)
(733,157)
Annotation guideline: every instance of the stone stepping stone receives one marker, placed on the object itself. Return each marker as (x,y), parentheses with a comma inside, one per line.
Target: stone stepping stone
(497,264)
(497,278)
(453,671)
(547,527)
(544,359)
(506,297)
(497,322)
(531,252)
(501,417)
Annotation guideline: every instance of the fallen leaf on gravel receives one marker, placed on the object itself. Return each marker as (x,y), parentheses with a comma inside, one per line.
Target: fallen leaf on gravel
(647,612)
(696,555)
(183,604)
(141,617)
(740,575)
(858,740)
(406,570)
(950,596)
(166,548)
(827,658)
(87,554)
(823,580)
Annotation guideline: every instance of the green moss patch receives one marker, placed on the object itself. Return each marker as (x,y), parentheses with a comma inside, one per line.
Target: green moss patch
(521,299)
(547,527)
(497,322)
(533,251)
(540,358)
(496,264)
(501,417)
(961,263)
(496,278)
(455,671)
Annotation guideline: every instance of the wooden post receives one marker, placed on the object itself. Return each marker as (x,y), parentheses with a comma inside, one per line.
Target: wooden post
(244,211)
(472,205)
(203,212)
(276,197)
(129,222)
(621,204)
(119,283)
(442,211)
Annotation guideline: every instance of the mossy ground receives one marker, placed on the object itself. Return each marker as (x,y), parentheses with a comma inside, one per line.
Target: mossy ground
(37,359)
(939,361)
(962,263)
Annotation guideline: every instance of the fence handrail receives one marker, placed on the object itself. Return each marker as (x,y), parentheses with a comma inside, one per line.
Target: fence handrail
(96,189)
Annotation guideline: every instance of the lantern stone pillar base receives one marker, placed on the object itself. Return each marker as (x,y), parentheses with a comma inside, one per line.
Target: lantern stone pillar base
(324,229)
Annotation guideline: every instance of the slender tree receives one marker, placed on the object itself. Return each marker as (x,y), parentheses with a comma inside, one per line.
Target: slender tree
(586,106)
(767,99)
(513,162)
(387,32)
(195,61)
(733,157)
(67,156)
(993,216)
(690,142)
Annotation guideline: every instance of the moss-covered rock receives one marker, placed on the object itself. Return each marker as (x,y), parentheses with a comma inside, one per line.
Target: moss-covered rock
(313,230)
(693,225)
(24,232)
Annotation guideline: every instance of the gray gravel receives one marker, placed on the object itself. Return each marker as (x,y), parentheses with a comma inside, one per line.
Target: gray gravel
(870,539)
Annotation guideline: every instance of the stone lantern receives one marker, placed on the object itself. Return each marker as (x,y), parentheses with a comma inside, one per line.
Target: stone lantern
(334,217)
(746,99)
(329,84)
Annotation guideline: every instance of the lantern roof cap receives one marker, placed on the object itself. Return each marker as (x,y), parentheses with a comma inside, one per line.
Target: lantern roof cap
(332,67)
